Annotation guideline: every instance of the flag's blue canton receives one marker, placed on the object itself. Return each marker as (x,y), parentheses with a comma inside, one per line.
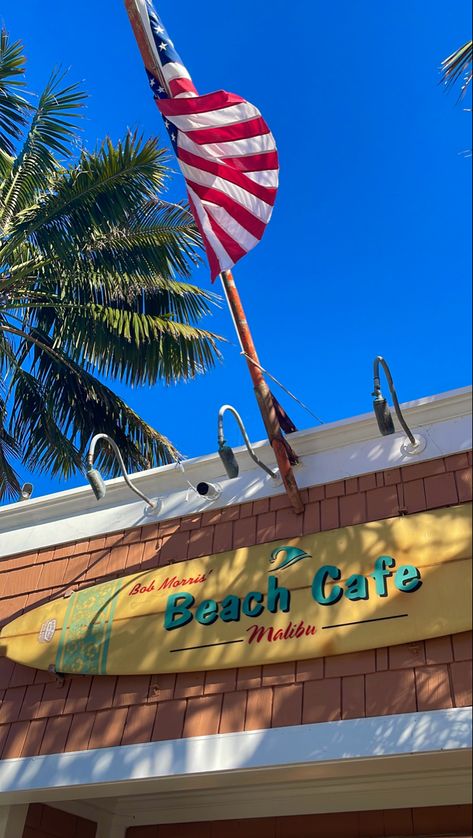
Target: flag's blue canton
(155,85)
(164,45)
(160,93)
(173,134)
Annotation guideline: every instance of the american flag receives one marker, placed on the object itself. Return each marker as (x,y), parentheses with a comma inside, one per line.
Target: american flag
(225,149)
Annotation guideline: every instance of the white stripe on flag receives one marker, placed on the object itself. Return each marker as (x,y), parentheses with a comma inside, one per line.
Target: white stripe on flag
(215,119)
(235,148)
(268,178)
(218,248)
(175,71)
(255,205)
(231,226)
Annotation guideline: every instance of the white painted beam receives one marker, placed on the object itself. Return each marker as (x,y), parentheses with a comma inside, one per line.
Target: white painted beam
(303,745)
(12,821)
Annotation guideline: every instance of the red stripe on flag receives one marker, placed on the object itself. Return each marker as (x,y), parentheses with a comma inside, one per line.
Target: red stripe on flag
(178,86)
(264,193)
(214,264)
(254,162)
(200,104)
(239,213)
(227,133)
(234,250)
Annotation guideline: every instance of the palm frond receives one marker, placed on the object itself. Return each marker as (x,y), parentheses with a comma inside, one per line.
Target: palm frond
(106,185)
(458,65)
(113,263)
(44,446)
(159,239)
(53,128)
(7,358)
(6,163)
(13,107)
(9,449)
(74,405)
(135,347)
(20,275)
(120,261)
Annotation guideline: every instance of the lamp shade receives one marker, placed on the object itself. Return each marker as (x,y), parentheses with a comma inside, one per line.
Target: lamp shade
(383,416)
(229,461)
(97,482)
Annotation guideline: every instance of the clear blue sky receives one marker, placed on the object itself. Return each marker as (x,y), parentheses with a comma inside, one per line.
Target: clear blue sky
(369,248)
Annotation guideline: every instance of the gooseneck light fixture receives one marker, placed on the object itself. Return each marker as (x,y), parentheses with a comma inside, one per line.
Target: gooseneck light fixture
(383,413)
(96,480)
(226,453)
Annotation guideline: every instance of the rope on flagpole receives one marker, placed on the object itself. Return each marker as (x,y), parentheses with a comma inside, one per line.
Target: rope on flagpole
(285,456)
(262,369)
(232,314)
(298,401)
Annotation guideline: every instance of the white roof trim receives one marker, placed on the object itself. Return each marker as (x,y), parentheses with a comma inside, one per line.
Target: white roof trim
(328,453)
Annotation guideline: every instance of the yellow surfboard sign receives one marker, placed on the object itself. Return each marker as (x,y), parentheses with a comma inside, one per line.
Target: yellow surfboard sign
(377,584)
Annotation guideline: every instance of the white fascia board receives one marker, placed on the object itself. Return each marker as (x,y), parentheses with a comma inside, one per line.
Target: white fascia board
(328,453)
(340,742)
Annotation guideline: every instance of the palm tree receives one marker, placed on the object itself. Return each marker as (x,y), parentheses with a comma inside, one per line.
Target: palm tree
(93,270)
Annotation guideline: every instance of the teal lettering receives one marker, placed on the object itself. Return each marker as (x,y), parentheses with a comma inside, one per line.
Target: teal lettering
(279,599)
(320,581)
(357,588)
(231,609)
(177,612)
(256,610)
(207,612)
(408,579)
(382,573)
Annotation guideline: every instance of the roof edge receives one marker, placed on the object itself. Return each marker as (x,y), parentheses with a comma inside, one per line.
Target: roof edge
(331,452)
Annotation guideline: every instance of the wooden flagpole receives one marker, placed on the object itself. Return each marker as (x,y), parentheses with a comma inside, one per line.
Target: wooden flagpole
(280,446)
(282,450)
(141,39)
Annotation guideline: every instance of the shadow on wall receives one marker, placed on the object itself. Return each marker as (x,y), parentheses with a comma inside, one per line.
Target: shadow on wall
(349,544)
(128,554)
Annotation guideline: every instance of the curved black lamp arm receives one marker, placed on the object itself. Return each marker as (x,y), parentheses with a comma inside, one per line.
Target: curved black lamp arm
(379,361)
(116,451)
(222,441)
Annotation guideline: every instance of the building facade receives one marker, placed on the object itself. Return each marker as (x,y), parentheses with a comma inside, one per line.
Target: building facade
(373,741)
